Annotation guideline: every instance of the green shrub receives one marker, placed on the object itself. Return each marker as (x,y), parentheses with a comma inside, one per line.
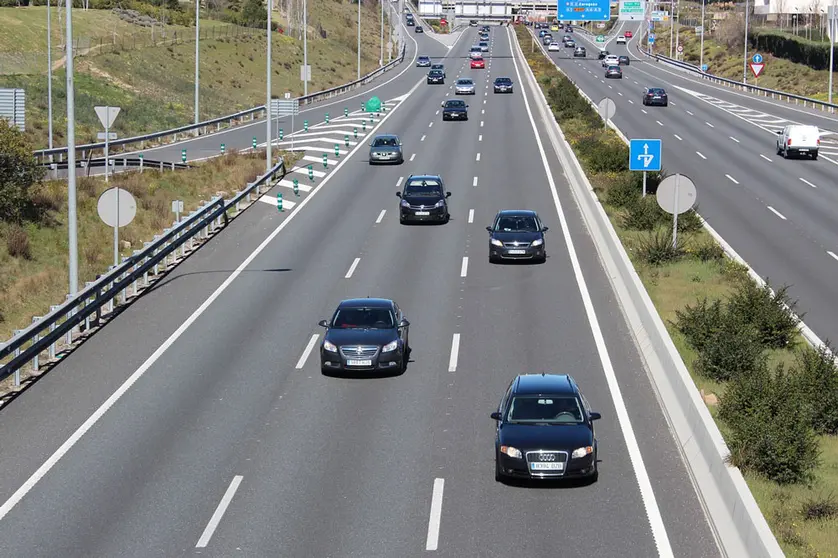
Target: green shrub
(623,192)
(643,214)
(818,377)
(731,349)
(784,449)
(606,157)
(698,323)
(688,222)
(567,103)
(796,49)
(17,242)
(708,251)
(19,171)
(657,249)
(771,314)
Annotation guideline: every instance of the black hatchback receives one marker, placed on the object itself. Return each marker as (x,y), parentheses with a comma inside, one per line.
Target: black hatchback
(517,234)
(423,199)
(545,430)
(365,334)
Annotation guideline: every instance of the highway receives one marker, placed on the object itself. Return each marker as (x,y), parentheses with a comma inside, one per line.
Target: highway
(198,421)
(779,215)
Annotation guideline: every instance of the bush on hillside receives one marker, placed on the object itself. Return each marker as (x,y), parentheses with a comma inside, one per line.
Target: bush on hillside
(795,49)
(769,434)
(730,350)
(657,247)
(771,314)
(17,242)
(630,188)
(643,214)
(19,171)
(708,251)
(567,103)
(699,322)
(818,376)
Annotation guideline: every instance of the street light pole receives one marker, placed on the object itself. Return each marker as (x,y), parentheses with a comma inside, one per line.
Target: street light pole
(677,29)
(305,48)
(269,119)
(745,58)
(381,48)
(703,30)
(671,27)
(49,74)
(831,15)
(359,39)
(197,53)
(71,156)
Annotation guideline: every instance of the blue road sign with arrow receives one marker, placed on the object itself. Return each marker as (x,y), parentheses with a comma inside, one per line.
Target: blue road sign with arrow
(757,59)
(651,40)
(704,67)
(645,155)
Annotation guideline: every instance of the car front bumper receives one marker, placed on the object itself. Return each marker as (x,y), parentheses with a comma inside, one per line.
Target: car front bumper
(434,214)
(386,158)
(503,89)
(380,361)
(433,81)
(464,91)
(454,115)
(516,252)
(519,468)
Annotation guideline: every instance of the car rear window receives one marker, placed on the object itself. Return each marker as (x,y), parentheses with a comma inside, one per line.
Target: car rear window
(503,81)
(545,409)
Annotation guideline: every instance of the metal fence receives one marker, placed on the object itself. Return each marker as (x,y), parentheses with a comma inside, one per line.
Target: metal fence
(91,307)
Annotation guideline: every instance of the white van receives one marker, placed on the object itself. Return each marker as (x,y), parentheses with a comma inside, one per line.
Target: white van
(798,139)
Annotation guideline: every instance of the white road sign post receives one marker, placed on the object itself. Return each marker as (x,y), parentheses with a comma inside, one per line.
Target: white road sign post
(607,110)
(106,116)
(116,208)
(676,194)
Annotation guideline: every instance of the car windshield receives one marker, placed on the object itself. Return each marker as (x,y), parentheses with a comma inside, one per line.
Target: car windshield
(517,223)
(545,409)
(385,142)
(435,73)
(464,82)
(424,58)
(455,104)
(422,188)
(363,318)
(503,81)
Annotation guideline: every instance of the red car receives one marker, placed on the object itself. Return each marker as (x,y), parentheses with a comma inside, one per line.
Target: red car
(628,34)
(478,63)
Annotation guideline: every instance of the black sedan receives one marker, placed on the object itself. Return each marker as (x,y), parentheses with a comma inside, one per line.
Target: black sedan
(503,85)
(419,29)
(436,77)
(365,334)
(423,199)
(602,54)
(454,109)
(545,430)
(655,96)
(517,234)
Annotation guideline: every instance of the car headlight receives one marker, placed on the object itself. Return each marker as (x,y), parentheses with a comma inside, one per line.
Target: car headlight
(404,203)
(496,242)
(440,203)
(328,346)
(511,452)
(582,452)
(390,347)
(537,242)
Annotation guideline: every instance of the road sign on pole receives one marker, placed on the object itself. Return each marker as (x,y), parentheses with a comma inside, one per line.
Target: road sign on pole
(106,116)
(704,67)
(757,58)
(645,154)
(177,209)
(756,69)
(117,208)
(631,10)
(680,48)
(600,38)
(584,10)
(607,110)
(676,194)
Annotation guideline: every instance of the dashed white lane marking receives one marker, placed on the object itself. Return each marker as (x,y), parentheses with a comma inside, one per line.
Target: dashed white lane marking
(482,111)
(659,122)
(437,112)
(420,139)
(631,102)
(709,124)
(777,213)
(644,111)
(701,155)
(455,353)
(307,351)
(833,254)
(732,179)
(430,124)
(471,216)
(478,157)
(432,541)
(411,157)
(481,123)
(352,268)
(480,137)
(804,181)
(734,139)
(399,181)
(474,182)
(764,157)
(219,512)
(620,94)
(380,216)
(679,138)
(691,114)
(464,267)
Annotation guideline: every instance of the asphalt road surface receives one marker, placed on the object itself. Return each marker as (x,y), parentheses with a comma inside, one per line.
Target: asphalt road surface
(198,422)
(778,214)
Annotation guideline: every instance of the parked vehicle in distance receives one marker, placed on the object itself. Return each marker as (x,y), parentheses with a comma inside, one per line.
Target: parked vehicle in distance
(798,139)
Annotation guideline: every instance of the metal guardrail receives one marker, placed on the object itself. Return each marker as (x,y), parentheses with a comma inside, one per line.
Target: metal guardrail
(119,162)
(121,284)
(774,94)
(202,128)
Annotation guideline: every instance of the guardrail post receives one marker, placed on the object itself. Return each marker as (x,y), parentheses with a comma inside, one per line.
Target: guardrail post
(161,166)
(35,361)
(17,354)
(66,317)
(51,352)
(134,270)
(157,263)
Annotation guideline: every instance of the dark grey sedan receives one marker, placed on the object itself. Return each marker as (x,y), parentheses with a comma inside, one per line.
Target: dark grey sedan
(386,148)
(517,234)
(613,72)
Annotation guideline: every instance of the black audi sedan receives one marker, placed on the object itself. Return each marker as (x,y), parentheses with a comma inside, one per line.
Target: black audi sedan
(423,199)
(545,430)
(517,234)
(436,77)
(365,334)
(503,85)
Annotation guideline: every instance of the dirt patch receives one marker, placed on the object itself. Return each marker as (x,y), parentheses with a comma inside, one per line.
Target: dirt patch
(115,81)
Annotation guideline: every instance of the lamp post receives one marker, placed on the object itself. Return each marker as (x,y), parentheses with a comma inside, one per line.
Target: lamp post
(197,54)
(71,156)
(49,74)
(701,47)
(832,14)
(269,119)
(745,57)
(677,28)
(359,39)
(381,28)
(305,48)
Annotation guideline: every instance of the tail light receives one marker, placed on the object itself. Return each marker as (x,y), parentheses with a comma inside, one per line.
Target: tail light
(819,142)
(789,142)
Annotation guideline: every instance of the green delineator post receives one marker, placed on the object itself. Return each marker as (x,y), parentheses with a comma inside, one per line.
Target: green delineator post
(305,125)
(325,162)
(183,155)
(223,148)
(355,131)
(364,125)
(254,142)
(311,172)
(337,150)
(281,134)
(327,118)
(346,139)
(279,201)
(296,187)
(345,112)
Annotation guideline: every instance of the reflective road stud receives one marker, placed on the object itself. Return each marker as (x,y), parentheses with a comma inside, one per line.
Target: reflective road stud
(346,139)
(355,131)
(325,162)
(311,172)
(327,118)
(223,148)
(337,150)
(281,134)
(279,201)
(296,187)
(254,142)
(345,112)
(183,155)
(305,125)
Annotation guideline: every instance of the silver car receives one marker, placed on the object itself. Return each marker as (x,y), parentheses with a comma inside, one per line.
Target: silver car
(386,148)
(464,86)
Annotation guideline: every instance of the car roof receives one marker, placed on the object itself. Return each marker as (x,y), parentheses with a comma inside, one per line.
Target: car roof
(517,213)
(366,302)
(386,136)
(538,384)
(416,177)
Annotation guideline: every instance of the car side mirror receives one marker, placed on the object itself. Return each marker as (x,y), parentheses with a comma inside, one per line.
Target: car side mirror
(323,323)
(595,416)
(545,229)
(779,132)
(489,229)
(398,194)
(466,106)
(495,415)
(404,323)
(447,194)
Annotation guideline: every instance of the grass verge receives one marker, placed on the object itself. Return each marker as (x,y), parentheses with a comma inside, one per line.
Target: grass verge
(795,512)
(155,85)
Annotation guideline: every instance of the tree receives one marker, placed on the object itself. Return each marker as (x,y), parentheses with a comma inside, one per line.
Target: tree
(254,13)
(18,172)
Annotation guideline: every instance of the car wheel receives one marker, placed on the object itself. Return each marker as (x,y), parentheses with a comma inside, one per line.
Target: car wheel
(542,259)
(493,260)
(815,156)
(779,151)
(785,153)
(401,221)
(447,218)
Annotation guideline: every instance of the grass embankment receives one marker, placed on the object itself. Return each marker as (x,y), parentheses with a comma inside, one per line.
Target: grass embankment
(438,27)
(802,515)
(155,85)
(37,277)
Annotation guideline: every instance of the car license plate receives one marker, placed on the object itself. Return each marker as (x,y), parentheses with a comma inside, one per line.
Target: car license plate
(547,466)
(359,363)
(803,150)
(656,97)
(517,252)
(422,213)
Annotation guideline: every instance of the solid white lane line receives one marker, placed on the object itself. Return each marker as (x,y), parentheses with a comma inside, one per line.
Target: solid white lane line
(833,254)
(764,157)
(399,181)
(307,351)
(478,157)
(430,124)
(352,268)
(701,155)
(455,353)
(471,216)
(422,138)
(413,156)
(734,139)
(480,137)
(777,213)
(644,483)
(709,124)
(474,181)
(804,181)
(464,267)
(732,179)
(432,541)
(659,122)
(380,216)
(219,512)
(691,114)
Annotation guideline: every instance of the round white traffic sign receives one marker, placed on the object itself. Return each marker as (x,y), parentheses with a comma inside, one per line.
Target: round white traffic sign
(676,194)
(607,109)
(680,48)
(117,207)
